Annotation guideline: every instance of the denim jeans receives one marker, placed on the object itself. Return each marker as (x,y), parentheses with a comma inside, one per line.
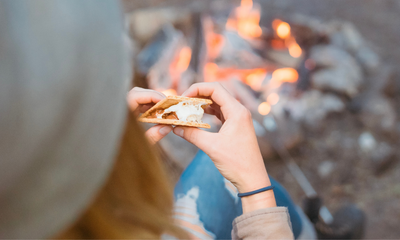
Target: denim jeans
(206,203)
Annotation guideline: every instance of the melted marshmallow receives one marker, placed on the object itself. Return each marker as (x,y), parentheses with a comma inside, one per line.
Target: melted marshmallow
(186,111)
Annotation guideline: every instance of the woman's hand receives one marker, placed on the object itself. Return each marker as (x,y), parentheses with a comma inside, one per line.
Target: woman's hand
(141,100)
(234,149)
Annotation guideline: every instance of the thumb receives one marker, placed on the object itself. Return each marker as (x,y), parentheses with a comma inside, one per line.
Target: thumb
(200,138)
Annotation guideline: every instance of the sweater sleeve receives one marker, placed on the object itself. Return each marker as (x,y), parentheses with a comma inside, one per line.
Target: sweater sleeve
(268,223)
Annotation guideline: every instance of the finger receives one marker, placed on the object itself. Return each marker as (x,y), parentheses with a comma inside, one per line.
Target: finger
(156,133)
(138,96)
(144,108)
(214,112)
(200,138)
(218,94)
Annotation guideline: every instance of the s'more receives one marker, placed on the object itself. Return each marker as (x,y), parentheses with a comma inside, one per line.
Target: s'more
(179,111)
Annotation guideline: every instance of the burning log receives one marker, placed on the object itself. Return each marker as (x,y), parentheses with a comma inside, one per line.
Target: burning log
(165,61)
(198,44)
(283,58)
(236,51)
(308,31)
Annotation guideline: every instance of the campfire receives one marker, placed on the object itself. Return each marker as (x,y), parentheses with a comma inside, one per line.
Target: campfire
(319,93)
(290,73)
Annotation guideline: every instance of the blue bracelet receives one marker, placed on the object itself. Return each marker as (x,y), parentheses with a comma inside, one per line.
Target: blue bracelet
(255,191)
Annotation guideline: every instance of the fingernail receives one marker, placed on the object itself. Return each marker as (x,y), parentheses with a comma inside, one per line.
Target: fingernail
(165,130)
(178,131)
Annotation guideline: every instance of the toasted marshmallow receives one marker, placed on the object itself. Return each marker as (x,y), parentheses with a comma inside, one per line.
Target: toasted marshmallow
(186,111)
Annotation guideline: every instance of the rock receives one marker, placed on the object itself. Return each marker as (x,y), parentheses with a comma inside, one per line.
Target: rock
(340,71)
(238,52)
(311,107)
(378,114)
(325,169)
(392,87)
(381,82)
(367,142)
(345,35)
(335,79)
(382,158)
(277,132)
(380,153)
(368,59)
(288,132)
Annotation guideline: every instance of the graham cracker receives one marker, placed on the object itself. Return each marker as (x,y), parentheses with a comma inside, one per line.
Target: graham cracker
(168,102)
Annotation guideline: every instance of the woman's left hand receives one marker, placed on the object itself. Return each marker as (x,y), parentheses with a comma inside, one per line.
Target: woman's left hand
(140,100)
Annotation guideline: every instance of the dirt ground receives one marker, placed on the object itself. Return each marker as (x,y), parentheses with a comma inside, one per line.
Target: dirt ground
(352,177)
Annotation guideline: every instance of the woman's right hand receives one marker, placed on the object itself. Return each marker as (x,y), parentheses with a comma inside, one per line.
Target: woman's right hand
(234,149)
(141,100)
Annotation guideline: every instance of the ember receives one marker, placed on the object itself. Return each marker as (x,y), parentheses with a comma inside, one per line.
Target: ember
(283,31)
(264,108)
(180,64)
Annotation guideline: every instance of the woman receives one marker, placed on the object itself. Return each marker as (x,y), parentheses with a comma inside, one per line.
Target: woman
(64,70)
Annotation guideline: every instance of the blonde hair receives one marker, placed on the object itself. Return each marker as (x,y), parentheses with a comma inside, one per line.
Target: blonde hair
(136,201)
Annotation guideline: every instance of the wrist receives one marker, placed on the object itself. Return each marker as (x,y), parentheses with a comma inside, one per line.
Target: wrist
(254,181)
(258,201)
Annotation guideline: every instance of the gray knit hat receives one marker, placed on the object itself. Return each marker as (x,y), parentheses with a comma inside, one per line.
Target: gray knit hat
(64,73)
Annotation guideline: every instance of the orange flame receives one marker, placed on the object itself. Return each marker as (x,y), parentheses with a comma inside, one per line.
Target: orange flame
(245,20)
(285,75)
(210,72)
(169,92)
(255,79)
(184,59)
(248,4)
(214,41)
(264,108)
(181,62)
(179,65)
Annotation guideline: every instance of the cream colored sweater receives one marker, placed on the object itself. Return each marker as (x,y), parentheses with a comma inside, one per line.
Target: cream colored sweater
(269,223)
